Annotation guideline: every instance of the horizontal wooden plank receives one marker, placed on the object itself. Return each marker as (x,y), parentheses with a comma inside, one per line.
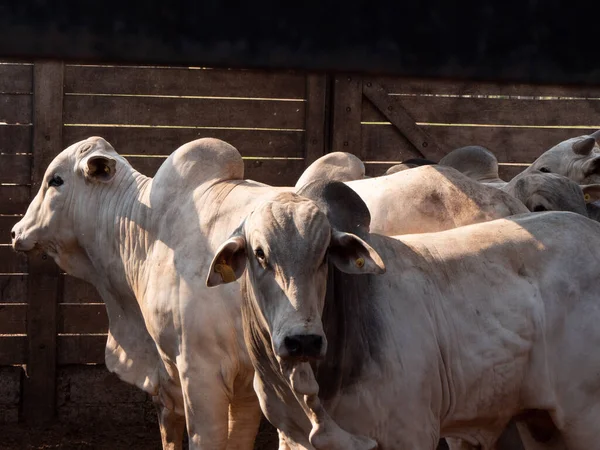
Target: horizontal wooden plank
(183,112)
(14,199)
(13,288)
(277,172)
(11,261)
(424,86)
(15,108)
(512,145)
(81,349)
(184,82)
(79,291)
(6,224)
(13,319)
(16,78)
(82,318)
(15,139)
(13,350)
(164,141)
(494,111)
(15,169)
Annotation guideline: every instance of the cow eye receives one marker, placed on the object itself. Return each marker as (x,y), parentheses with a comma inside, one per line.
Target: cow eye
(545,170)
(260,254)
(539,208)
(55,181)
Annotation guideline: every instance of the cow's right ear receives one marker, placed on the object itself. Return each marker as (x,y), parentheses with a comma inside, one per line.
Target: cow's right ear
(229,263)
(591,192)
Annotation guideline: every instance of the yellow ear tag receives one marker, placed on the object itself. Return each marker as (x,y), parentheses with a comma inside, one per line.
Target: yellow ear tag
(359,262)
(106,169)
(226,272)
(587,198)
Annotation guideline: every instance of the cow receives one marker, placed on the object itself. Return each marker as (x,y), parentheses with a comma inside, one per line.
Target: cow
(420,336)
(336,166)
(145,242)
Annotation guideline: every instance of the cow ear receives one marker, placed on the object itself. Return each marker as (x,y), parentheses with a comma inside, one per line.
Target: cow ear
(584,146)
(351,254)
(591,192)
(229,262)
(99,168)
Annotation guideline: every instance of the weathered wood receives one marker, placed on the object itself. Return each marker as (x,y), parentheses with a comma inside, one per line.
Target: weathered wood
(81,349)
(90,109)
(13,319)
(276,172)
(15,169)
(82,318)
(183,82)
(15,139)
(280,172)
(512,145)
(346,134)
(16,78)
(376,169)
(428,86)
(386,143)
(11,261)
(489,111)
(15,108)
(79,291)
(316,109)
(6,224)
(13,288)
(40,384)
(164,141)
(14,199)
(392,109)
(13,350)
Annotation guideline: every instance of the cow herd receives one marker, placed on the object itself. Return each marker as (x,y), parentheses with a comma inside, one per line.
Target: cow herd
(434,302)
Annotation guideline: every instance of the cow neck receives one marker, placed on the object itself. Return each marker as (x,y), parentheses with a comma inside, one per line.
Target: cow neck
(353,328)
(118,214)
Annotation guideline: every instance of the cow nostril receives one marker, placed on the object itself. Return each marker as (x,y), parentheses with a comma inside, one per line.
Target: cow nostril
(307,345)
(13,234)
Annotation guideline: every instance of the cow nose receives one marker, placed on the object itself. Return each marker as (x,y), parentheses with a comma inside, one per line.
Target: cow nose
(304,345)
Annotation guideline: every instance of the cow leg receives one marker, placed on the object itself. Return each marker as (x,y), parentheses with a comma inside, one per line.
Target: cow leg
(244,420)
(171,426)
(206,407)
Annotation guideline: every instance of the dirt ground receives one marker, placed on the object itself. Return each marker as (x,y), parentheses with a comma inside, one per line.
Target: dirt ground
(17,436)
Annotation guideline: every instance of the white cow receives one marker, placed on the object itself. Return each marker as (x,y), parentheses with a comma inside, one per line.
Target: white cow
(336,166)
(465,329)
(146,243)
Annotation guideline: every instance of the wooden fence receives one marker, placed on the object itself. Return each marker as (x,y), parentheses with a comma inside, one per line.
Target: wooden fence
(55,325)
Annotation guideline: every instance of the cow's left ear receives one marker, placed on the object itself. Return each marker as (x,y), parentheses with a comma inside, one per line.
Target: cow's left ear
(351,254)
(99,168)
(591,192)
(229,262)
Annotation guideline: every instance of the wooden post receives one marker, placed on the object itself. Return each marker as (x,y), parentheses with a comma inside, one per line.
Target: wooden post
(316,114)
(39,393)
(347,110)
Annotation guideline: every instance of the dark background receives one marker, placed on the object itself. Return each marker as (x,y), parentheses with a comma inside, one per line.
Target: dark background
(545,41)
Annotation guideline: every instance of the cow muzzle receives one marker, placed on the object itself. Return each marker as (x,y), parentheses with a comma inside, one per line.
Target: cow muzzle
(20,242)
(303,347)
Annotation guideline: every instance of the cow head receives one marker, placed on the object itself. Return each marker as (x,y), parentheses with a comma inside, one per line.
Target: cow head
(284,246)
(70,177)
(577,158)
